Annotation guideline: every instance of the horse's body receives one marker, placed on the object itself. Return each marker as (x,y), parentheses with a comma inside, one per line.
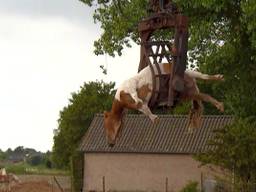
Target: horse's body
(136,92)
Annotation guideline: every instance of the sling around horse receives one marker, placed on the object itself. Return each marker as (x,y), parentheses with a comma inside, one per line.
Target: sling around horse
(136,92)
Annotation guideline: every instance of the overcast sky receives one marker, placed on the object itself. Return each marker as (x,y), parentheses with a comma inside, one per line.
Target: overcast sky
(46,49)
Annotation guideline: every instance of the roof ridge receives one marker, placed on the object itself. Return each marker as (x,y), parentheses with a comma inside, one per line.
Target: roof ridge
(171,115)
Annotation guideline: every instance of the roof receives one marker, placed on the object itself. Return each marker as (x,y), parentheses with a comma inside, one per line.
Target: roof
(140,135)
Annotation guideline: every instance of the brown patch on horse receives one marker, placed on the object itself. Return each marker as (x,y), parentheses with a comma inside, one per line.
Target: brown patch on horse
(190,88)
(143,92)
(189,82)
(127,101)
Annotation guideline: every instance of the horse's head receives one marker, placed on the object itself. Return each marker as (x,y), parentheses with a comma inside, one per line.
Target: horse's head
(112,126)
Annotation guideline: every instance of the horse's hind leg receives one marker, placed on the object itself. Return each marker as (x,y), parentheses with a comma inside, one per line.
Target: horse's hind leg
(217,77)
(208,98)
(203,76)
(195,115)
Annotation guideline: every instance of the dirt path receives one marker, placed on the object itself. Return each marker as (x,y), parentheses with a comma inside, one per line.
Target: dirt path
(35,186)
(38,183)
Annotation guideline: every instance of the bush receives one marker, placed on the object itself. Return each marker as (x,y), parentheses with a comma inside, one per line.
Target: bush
(35,160)
(48,164)
(77,171)
(190,187)
(18,168)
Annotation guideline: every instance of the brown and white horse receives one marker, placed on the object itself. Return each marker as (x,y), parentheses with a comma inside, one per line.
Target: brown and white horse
(136,92)
(6,180)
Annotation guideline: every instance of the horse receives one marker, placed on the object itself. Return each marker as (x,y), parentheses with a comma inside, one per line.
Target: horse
(135,94)
(7,179)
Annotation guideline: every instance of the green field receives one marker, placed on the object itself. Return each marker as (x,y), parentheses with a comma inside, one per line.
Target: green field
(24,168)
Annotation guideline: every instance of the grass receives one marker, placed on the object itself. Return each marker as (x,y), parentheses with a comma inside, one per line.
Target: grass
(24,168)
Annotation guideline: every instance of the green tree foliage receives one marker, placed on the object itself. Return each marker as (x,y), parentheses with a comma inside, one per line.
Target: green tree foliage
(20,153)
(35,160)
(47,159)
(77,171)
(3,155)
(92,98)
(192,186)
(222,42)
(118,19)
(40,159)
(235,150)
(26,156)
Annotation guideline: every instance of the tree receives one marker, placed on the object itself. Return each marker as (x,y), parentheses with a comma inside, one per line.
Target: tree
(19,149)
(92,98)
(3,155)
(35,160)
(47,159)
(234,148)
(118,19)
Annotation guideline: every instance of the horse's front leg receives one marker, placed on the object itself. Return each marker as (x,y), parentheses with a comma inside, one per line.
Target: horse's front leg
(135,97)
(145,109)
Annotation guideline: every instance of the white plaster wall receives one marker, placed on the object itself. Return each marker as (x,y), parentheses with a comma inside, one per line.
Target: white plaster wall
(138,172)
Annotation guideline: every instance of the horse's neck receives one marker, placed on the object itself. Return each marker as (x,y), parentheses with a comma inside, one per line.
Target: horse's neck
(117,109)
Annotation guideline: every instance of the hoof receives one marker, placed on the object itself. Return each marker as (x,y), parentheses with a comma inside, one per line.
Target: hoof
(190,130)
(220,107)
(156,120)
(219,77)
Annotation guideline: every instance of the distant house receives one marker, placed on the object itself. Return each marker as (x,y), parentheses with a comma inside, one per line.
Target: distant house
(16,157)
(146,157)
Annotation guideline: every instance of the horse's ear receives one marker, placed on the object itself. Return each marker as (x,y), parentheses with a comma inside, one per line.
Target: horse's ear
(105,114)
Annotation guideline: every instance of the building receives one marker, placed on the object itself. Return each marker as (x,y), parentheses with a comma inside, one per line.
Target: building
(146,157)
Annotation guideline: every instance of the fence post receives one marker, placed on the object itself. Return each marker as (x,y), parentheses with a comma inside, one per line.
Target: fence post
(58,184)
(52,183)
(103,183)
(201,182)
(166,184)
